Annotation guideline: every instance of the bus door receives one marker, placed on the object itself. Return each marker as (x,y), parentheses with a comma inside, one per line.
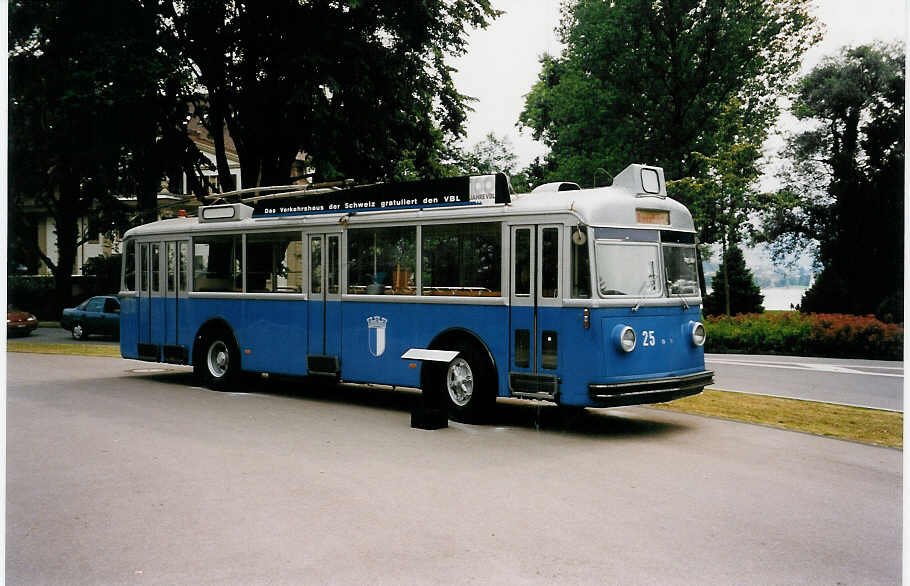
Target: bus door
(151,302)
(324,304)
(176,258)
(535,316)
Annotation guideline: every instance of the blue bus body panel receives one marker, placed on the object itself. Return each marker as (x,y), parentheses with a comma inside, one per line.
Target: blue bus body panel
(334,328)
(129,326)
(373,354)
(275,333)
(278,335)
(157,315)
(663,348)
(315,312)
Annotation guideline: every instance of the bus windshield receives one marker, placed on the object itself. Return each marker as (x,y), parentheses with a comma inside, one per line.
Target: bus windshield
(628,269)
(682,276)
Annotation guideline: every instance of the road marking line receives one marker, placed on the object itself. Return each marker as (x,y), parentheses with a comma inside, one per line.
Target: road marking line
(833,368)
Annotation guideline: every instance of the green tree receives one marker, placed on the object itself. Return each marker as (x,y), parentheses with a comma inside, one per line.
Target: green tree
(491,155)
(88,108)
(723,192)
(648,81)
(735,290)
(356,86)
(843,192)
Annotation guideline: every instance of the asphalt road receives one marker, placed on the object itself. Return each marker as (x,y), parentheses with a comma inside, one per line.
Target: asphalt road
(124,472)
(863,383)
(61,336)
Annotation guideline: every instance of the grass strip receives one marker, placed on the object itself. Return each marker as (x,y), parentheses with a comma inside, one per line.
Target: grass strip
(69,349)
(871,426)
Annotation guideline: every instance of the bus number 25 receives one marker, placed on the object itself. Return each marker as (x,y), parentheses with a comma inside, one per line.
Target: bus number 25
(647,338)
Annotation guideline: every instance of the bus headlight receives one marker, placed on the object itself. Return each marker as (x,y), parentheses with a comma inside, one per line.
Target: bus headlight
(698,334)
(625,338)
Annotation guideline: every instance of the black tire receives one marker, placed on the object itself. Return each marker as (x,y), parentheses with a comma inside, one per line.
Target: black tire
(466,385)
(216,364)
(79,332)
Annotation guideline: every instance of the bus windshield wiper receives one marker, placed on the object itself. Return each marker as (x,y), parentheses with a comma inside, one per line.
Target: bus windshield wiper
(649,280)
(670,291)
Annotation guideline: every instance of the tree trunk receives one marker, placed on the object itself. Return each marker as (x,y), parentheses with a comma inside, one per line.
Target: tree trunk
(723,244)
(217,116)
(67,230)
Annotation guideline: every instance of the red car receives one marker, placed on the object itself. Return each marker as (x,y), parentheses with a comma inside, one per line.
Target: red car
(19,323)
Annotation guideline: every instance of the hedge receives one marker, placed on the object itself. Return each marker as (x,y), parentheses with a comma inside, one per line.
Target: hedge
(37,295)
(799,334)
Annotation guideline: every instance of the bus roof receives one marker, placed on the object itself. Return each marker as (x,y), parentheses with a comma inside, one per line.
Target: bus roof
(637,199)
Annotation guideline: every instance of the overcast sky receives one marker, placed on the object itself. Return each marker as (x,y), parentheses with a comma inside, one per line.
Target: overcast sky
(502,61)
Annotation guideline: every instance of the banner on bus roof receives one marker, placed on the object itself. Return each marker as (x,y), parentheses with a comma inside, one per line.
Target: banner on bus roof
(452,191)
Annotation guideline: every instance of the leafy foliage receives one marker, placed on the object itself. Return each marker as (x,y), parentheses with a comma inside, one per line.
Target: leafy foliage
(744,295)
(799,334)
(491,155)
(105,271)
(354,85)
(92,108)
(722,191)
(648,81)
(843,193)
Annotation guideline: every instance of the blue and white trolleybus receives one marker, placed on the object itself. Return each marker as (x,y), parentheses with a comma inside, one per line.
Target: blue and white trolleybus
(582,297)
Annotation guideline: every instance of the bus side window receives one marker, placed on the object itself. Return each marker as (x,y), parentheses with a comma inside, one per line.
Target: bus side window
(549,263)
(182,247)
(217,263)
(523,261)
(156,267)
(316,264)
(332,265)
(382,261)
(274,263)
(144,267)
(580,263)
(129,266)
(462,259)
(171,254)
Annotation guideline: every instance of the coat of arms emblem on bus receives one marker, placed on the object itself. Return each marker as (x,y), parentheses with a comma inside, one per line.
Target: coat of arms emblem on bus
(377,326)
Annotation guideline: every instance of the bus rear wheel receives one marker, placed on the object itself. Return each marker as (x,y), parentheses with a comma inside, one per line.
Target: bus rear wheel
(217,364)
(466,385)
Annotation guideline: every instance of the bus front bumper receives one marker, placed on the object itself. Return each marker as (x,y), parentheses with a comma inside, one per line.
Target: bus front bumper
(658,390)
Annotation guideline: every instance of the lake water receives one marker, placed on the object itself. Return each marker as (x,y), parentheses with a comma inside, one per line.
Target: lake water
(781,297)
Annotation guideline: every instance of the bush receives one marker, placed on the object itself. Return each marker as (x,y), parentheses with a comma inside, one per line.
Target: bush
(37,295)
(798,334)
(33,294)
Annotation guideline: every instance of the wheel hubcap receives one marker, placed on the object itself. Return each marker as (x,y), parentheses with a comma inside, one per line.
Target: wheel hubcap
(460,382)
(218,359)
(77,331)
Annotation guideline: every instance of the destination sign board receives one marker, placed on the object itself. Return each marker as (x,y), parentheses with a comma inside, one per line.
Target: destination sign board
(451,191)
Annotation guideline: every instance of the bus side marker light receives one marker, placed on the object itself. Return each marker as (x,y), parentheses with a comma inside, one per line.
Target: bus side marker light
(247,351)
(587,318)
(412,365)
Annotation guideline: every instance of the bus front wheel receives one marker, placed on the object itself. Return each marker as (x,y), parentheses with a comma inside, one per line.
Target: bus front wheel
(466,385)
(217,363)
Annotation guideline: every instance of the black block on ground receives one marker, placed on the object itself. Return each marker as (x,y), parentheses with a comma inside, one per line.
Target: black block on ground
(424,417)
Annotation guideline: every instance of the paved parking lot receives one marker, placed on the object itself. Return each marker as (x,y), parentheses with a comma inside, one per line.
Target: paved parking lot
(123,472)
(50,335)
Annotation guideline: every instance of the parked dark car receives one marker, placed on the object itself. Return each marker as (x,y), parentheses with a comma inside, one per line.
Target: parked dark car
(18,322)
(96,315)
